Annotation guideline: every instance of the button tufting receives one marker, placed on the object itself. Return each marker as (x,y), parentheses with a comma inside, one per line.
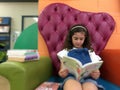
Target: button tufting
(55,20)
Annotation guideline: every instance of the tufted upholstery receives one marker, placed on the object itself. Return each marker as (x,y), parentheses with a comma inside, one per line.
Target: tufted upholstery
(56,19)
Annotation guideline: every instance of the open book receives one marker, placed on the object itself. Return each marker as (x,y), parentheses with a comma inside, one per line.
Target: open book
(76,68)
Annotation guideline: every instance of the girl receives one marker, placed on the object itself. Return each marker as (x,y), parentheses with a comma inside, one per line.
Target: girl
(78,37)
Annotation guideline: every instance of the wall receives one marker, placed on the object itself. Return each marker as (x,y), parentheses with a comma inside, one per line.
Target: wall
(15,10)
(110,6)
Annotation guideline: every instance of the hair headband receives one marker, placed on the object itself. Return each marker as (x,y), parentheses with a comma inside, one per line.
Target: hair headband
(79,27)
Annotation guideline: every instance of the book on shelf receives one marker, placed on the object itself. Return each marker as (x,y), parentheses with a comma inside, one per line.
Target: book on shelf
(23,55)
(48,86)
(76,68)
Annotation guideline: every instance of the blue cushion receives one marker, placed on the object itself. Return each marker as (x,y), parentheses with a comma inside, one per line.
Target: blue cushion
(108,85)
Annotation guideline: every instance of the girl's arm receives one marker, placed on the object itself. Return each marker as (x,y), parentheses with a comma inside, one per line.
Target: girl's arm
(95,74)
(62,72)
(94,57)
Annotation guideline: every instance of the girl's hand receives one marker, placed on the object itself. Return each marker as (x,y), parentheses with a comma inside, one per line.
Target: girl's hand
(63,73)
(95,74)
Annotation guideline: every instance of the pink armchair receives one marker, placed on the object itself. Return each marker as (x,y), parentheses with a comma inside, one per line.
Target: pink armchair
(55,20)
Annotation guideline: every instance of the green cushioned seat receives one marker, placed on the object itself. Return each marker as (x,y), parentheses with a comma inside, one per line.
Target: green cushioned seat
(27,75)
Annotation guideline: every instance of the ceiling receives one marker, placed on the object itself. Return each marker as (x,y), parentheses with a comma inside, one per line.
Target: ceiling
(18,0)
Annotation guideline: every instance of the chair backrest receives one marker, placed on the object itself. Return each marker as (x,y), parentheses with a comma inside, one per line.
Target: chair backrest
(54,22)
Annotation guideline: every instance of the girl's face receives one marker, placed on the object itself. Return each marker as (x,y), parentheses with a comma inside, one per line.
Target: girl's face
(78,39)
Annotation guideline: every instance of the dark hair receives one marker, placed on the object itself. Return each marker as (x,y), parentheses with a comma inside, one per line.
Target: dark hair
(77,28)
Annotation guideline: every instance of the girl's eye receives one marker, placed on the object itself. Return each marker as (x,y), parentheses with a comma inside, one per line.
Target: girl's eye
(75,38)
(81,38)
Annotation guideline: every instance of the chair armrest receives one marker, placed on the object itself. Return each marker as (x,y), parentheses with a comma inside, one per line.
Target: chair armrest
(27,75)
(110,68)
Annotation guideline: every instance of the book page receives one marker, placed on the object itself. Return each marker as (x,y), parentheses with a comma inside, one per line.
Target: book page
(88,68)
(73,65)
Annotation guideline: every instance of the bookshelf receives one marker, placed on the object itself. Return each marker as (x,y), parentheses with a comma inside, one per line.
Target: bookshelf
(5,35)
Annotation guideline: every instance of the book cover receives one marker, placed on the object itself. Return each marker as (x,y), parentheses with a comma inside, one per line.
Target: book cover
(48,86)
(82,54)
